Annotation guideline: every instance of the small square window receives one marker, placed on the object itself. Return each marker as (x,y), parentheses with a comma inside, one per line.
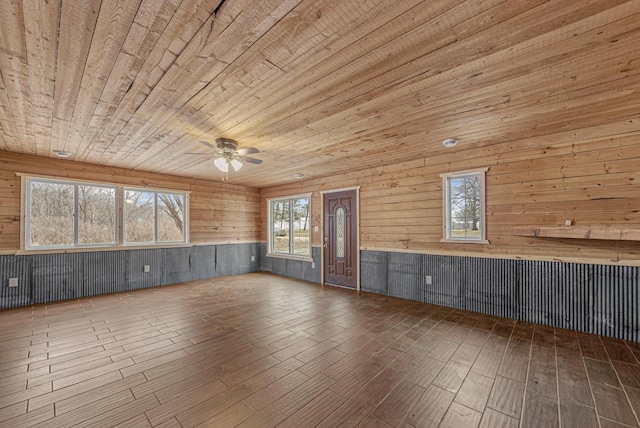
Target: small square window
(464,206)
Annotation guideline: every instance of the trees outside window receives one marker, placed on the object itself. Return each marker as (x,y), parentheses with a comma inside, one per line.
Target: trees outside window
(170,217)
(151,217)
(97,215)
(51,214)
(139,216)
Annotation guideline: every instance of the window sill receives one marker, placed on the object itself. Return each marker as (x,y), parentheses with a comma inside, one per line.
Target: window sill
(90,249)
(290,257)
(466,241)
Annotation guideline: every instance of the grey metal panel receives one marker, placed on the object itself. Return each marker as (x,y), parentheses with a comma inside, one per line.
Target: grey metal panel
(203,262)
(616,301)
(279,266)
(574,297)
(297,269)
(447,275)
(294,268)
(490,286)
(136,278)
(313,274)
(104,272)
(265,262)
(15,267)
(234,259)
(254,266)
(176,265)
(373,271)
(56,277)
(538,282)
(555,294)
(405,276)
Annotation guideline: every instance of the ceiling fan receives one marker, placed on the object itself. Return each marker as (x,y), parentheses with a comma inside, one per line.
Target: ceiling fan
(227,153)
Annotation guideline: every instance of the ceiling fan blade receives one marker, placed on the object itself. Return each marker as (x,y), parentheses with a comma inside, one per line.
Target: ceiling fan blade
(247,151)
(216,153)
(208,144)
(249,160)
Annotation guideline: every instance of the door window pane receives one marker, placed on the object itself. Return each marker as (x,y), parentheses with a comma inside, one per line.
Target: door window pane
(340,220)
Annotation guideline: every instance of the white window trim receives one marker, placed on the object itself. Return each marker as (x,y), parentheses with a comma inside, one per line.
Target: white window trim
(446,226)
(119,209)
(289,256)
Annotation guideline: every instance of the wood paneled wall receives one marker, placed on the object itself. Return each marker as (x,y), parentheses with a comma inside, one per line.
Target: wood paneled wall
(219,213)
(588,175)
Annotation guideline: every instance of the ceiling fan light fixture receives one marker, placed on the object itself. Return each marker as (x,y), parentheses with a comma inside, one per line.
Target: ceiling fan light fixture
(222,164)
(228,157)
(450,142)
(236,164)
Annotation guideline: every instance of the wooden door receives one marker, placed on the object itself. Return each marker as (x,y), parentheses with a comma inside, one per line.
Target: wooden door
(340,238)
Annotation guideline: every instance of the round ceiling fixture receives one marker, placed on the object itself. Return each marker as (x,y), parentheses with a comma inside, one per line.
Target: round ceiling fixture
(62,154)
(450,142)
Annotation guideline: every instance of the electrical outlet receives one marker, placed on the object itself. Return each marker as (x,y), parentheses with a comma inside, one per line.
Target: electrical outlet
(313,265)
(146,269)
(253,258)
(13,282)
(429,280)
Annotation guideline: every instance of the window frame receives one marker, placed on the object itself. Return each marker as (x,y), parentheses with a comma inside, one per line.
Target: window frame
(119,241)
(271,231)
(446,206)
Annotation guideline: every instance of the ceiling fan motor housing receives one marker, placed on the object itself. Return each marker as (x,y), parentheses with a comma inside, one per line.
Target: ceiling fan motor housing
(226,144)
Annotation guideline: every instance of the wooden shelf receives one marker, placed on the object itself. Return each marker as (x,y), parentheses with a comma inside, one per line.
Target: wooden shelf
(600,232)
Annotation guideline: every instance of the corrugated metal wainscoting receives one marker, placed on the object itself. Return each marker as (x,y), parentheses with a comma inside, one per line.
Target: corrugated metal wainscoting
(597,299)
(46,278)
(297,269)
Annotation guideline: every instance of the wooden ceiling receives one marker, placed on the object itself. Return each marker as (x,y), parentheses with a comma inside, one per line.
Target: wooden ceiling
(320,87)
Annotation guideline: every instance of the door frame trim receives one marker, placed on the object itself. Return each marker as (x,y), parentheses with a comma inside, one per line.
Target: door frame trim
(357,214)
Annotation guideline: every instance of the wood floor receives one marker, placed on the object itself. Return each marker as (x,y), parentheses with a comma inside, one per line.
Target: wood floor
(259,350)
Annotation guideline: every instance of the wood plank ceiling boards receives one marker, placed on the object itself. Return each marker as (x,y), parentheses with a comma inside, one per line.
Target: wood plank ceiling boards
(322,87)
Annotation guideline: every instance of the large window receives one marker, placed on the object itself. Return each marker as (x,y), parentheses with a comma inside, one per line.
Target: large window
(464,207)
(290,226)
(68,214)
(153,217)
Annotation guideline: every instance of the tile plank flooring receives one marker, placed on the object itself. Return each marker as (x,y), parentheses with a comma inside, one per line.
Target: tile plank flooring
(260,350)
